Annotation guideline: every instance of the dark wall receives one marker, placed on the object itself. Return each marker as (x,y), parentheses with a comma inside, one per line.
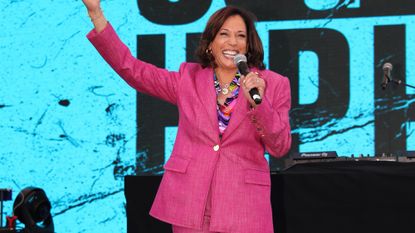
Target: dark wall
(332,52)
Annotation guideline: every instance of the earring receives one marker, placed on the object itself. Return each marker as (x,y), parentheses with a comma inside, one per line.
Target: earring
(208,51)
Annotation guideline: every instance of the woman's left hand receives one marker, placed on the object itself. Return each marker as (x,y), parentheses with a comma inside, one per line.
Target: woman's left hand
(252,80)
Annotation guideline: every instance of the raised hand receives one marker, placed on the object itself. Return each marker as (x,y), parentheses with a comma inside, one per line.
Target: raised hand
(92,5)
(96,14)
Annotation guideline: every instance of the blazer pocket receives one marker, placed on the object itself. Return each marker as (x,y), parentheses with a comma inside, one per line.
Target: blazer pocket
(177,164)
(258,177)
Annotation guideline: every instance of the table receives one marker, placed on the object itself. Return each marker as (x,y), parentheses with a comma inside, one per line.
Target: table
(332,197)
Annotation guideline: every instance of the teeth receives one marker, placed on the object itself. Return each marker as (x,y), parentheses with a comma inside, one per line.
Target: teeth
(230,53)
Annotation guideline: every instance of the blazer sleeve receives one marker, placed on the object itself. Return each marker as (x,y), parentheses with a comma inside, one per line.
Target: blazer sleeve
(271,118)
(144,77)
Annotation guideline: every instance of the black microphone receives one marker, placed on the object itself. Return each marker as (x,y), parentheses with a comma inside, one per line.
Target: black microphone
(387,68)
(240,62)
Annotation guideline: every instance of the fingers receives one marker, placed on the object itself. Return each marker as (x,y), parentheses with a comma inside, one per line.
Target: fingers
(252,80)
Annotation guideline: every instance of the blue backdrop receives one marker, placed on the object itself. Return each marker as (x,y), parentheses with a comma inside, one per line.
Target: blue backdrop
(68,123)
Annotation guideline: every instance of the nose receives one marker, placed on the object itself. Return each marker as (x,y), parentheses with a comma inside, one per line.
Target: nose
(232,40)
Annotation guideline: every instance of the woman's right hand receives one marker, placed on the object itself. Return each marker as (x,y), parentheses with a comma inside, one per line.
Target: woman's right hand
(92,5)
(96,14)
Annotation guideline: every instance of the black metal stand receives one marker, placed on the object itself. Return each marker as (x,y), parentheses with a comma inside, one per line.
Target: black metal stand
(5,195)
(409,154)
(396,82)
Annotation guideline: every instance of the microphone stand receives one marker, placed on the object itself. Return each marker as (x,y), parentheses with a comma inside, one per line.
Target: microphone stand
(398,82)
(411,153)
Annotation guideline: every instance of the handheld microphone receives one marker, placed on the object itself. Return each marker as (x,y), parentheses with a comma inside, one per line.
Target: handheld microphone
(240,62)
(387,68)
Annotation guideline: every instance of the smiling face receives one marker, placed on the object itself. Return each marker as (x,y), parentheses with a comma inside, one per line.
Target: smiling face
(230,40)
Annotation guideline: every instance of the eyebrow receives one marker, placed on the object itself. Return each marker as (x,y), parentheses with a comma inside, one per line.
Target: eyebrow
(225,29)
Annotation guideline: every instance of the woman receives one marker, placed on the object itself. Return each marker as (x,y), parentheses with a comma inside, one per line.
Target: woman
(217,179)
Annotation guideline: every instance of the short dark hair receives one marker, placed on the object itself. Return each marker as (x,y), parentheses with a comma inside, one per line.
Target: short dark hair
(255,53)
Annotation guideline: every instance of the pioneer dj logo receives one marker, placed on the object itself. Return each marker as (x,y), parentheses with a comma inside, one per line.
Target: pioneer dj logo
(332,52)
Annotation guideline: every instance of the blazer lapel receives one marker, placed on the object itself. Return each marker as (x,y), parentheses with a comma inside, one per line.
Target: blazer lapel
(206,92)
(240,112)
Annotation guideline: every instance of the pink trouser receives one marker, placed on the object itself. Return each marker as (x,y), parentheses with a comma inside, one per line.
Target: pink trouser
(205,229)
(206,222)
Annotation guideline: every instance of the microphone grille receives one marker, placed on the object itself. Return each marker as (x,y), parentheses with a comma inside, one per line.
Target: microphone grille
(387,66)
(239,58)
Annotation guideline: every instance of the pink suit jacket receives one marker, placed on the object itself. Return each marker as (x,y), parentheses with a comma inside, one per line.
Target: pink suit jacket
(234,167)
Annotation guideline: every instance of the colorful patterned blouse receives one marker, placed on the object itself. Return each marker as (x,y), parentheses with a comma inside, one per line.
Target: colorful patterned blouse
(225,110)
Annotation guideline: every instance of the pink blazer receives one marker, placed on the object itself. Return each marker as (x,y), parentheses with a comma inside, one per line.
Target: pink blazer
(234,168)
